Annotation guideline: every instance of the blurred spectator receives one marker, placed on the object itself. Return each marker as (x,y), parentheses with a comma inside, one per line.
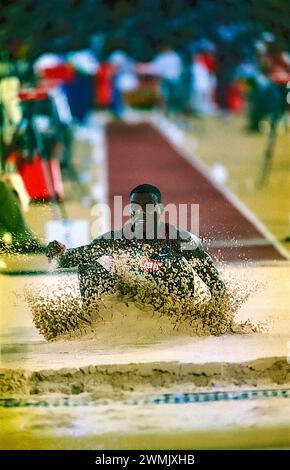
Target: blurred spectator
(124,80)
(268,78)
(203,81)
(125,70)
(228,58)
(276,63)
(167,65)
(80,91)
(104,84)
(52,73)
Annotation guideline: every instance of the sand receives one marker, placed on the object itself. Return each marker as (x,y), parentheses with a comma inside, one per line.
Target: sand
(165,295)
(252,424)
(128,348)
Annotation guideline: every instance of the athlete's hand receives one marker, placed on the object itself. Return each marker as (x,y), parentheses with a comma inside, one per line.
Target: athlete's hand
(54,249)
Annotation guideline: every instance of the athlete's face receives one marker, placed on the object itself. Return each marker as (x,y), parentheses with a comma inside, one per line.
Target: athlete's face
(145,209)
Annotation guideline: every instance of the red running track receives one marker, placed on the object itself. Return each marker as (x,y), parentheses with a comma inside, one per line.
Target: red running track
(138,153)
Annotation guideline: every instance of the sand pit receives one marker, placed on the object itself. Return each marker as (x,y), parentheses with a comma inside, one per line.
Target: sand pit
(131,357)
(130,348)
(87,389)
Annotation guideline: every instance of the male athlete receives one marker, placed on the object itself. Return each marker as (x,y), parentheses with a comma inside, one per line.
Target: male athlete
(162,252)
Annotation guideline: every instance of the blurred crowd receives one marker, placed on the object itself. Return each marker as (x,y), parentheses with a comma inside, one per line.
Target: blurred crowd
(205,81)
(40,101)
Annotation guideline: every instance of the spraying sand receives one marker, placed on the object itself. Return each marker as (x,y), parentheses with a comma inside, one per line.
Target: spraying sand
(129,344)
(60,311)
(108,359)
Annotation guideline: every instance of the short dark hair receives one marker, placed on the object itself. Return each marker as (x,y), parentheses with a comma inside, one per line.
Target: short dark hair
(147,188)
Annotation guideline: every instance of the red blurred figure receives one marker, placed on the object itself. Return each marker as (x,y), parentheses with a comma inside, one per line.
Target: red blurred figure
(236,97)
(104,84)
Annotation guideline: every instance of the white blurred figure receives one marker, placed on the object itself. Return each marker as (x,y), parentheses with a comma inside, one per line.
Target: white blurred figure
(46,61)
(84,61)
(124,80)
(53,86)
(203,81)
(168,66)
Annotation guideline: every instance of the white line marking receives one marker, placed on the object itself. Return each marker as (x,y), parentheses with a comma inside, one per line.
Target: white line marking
(235,243)
(176,138)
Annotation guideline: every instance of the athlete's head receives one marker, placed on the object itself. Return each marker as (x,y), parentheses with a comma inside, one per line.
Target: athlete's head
(146,205)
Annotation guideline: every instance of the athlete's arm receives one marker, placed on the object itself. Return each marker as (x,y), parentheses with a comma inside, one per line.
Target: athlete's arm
(193,250)
(208,273)
(69,258)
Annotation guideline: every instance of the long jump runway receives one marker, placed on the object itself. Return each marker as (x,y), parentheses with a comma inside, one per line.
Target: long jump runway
(139,153)
(130,365)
